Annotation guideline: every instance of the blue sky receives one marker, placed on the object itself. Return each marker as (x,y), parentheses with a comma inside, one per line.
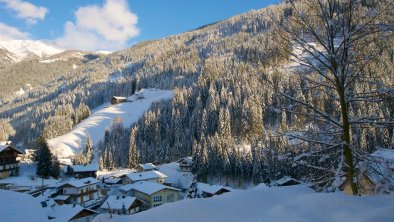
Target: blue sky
(112,24)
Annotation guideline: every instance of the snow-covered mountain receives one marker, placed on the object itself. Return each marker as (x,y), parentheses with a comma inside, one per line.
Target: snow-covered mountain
(18,50)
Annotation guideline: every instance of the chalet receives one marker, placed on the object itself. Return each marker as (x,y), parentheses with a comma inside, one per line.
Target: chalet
(84,171)
(151,176)
(208,190)
(153,194)
(185,164)
(9,166)
(146,167)
(286,181)
(72,213)
(380,179)
(118,99)
(121,205)
(79,190)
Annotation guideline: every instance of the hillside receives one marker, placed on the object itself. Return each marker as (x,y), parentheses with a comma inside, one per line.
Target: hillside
(166,63)
(72,143)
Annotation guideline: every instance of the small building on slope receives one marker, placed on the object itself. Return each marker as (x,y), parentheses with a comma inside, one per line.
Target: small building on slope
(118,99)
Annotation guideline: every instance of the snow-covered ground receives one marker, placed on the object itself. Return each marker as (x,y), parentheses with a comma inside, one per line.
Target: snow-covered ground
(18,207)
(296,203)
(71,143)
(27,177)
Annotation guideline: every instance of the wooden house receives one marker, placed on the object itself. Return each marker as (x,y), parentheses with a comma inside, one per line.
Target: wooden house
(152,194)
(185,164)
(118,99)
(9,166)
(79,190)
(121,205)
(84,171)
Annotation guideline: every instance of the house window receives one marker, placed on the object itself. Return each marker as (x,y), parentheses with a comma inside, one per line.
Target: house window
(156,205)
(157,199)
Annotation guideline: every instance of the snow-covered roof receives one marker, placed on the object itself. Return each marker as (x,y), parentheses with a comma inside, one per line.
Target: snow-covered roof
(189,160)
(16,207)
(80,182)
(6,144)
(146,187)
(119,97)
(112,180)
(85,168)
(285,179)
(211,189)
(66,161)
(66,212)
(61,197)
(146,175)
(147,166)
(117,202)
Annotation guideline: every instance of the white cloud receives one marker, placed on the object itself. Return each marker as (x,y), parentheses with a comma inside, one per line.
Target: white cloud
(107,27)
(10,33)
(26,10)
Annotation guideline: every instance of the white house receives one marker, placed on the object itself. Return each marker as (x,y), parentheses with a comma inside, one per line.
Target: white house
(121,205)
(80,190)
(186,164)
(151,176)
(153,194)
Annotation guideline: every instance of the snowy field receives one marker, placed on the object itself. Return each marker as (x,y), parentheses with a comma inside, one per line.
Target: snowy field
(296,204)
(67,145)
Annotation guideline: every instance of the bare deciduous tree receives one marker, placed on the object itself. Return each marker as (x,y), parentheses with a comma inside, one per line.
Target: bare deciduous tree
(334,45)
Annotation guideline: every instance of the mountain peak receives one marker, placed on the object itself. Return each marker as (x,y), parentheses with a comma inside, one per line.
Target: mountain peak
(23,49)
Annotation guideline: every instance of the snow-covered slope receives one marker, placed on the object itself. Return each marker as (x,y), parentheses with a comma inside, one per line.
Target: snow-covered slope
(16,207)
(296,204)
(71,143)
(22,49)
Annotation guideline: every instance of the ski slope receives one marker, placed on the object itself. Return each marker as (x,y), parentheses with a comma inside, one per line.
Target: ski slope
(68,145)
